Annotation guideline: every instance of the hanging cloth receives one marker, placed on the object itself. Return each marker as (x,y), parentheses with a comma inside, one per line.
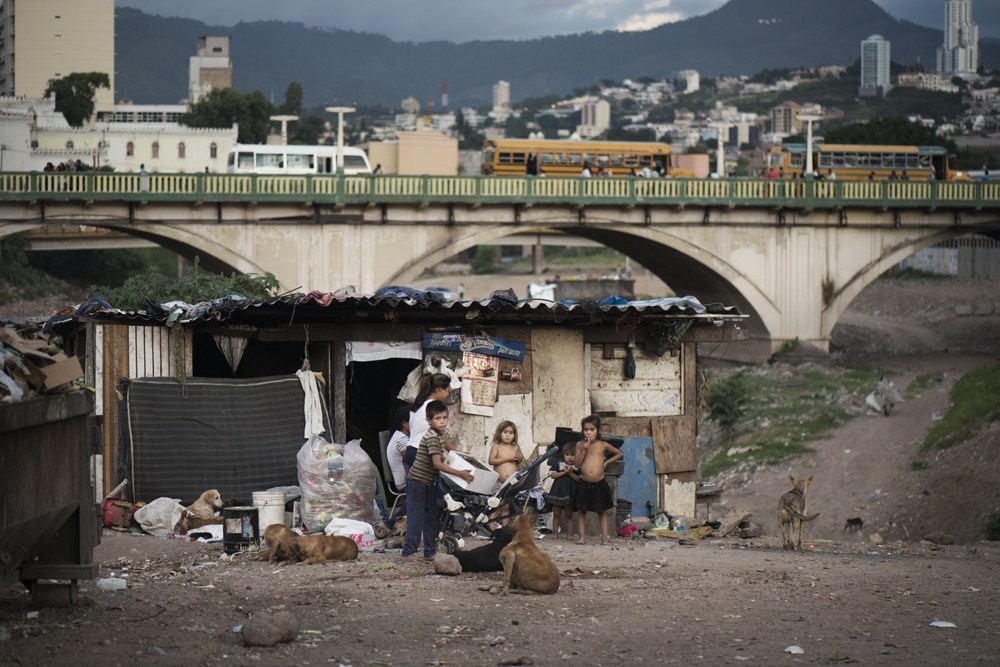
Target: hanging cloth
(312,407)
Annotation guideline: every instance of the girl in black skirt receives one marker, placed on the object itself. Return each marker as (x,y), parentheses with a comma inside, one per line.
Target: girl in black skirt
(564,476)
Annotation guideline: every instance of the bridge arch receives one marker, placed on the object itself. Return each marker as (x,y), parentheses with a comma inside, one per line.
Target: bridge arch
(844,296)
(684,266)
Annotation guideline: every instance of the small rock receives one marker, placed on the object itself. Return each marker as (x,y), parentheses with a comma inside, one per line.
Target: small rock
(875,538)
(270,629)
(940,538)
(154,650)
(797,650)
(447,564)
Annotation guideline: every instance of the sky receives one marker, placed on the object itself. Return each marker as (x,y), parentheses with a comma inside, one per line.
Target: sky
(467,20)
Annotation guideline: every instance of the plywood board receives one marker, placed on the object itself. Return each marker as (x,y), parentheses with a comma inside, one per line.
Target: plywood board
(679,498)
(655,390)
(522,386)
(675,444)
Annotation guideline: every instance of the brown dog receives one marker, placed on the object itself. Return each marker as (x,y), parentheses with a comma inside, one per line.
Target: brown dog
(280,540)
(791,513)
(526,568)
(206,505)
(324,548)
(287,546)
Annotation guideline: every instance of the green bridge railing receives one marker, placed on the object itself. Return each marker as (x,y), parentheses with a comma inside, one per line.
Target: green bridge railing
(472,190)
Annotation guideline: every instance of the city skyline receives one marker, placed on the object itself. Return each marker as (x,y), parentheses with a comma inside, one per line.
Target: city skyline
(467,20)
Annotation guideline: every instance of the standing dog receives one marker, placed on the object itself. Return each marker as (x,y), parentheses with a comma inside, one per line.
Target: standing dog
(791,513)
(526,568)
(854,524)
(206,505)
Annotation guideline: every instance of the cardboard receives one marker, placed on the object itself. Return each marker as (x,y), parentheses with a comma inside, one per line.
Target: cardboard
(61,373)
(483,479)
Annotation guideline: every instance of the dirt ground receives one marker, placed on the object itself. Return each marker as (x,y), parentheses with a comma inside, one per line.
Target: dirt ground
(844,599)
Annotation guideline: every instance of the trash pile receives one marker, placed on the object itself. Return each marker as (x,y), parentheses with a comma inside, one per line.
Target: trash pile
(32,367)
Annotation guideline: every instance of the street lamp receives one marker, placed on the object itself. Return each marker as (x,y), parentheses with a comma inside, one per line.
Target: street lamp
(340,111)
(283,120)
(809,118)
(720,157)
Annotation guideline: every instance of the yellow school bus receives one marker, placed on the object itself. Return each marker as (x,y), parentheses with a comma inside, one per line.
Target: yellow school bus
(520,157)
(860,162)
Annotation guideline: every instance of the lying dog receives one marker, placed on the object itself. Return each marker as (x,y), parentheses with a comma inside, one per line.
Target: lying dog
(791,513)
(189,522)
(854,524)
(526,568)
(279,540)
(285,546)
(486,558)
(206,505)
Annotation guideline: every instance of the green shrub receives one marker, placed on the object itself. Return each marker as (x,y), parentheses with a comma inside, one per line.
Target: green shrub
(727,400)
(993,528)
(486,259)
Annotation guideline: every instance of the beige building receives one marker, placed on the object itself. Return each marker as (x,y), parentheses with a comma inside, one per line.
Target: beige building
(595,118)
(785,118)
(211,68)
(48,39)
(416,154)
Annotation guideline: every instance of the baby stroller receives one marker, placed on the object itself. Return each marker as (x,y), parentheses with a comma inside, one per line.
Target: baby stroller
(465,513)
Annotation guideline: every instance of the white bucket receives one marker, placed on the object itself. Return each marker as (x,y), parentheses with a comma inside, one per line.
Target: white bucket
(270,508)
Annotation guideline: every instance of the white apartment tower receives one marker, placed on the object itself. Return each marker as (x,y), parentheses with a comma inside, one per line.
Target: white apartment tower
(211,68)
(49,39)
(959,56)
(874,67)
(501,96)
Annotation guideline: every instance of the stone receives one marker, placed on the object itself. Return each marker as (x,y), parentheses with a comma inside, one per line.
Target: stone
(938,537)
(447,564)
(270,629)
(875,538)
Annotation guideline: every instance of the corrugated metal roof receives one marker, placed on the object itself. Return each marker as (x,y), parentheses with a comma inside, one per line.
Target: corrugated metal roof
(396,303)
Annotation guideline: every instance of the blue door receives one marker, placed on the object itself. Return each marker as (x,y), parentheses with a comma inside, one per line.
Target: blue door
(638,483)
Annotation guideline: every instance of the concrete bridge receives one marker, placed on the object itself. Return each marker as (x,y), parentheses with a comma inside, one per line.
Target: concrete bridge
(792,254)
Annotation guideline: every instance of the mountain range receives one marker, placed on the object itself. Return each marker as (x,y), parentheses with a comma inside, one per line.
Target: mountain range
(340,66)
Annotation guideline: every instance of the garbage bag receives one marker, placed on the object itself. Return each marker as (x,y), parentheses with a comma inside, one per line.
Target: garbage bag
(360,531)
(160,517)
(337,481)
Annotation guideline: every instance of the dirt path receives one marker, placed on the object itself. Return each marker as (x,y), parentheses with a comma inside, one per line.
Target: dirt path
(864,469)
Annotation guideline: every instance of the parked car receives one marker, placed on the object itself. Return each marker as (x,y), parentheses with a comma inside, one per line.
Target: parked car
(449,294)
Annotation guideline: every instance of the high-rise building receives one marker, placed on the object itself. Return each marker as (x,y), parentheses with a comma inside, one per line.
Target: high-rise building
(501,96)
(595,118)
(785,118)
(959,56)
(210,69)
(875,53)
(49,39)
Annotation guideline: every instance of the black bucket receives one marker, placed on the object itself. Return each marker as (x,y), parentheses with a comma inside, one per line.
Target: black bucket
(240,529)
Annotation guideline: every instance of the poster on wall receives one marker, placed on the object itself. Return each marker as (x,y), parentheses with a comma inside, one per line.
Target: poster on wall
(479,384)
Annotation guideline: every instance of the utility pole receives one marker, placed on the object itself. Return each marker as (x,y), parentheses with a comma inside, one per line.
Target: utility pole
(340,111)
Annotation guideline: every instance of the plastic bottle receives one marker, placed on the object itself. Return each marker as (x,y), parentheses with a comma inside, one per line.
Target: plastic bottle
(112,584)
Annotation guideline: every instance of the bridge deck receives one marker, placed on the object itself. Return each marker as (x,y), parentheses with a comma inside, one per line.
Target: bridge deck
(478,190)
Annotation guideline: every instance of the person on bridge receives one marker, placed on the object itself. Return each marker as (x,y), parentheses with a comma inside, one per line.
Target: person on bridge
(586,171)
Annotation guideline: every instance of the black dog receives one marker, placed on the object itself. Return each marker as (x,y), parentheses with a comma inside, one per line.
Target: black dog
(854,525)
(487,557)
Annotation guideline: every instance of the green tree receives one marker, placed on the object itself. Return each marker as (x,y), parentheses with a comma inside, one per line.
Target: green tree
(306,132)
(896,130)
(486,259)
(293,99)
(223,107)
(75,94)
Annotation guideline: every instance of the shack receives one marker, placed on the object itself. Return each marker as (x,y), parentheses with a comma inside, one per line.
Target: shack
(539,364)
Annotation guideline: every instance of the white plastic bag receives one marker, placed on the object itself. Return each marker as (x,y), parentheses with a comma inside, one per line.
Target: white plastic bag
(359,531)
(159,517)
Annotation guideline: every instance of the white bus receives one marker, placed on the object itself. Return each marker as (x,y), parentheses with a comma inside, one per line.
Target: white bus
(267,159)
